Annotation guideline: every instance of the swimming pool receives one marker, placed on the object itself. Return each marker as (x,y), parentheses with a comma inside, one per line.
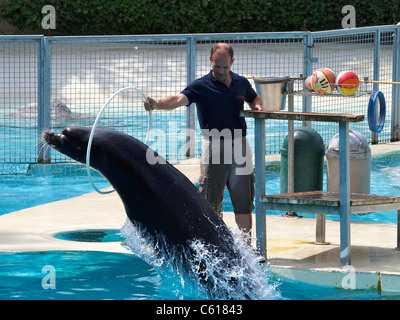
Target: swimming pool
(92,275)
(105,275)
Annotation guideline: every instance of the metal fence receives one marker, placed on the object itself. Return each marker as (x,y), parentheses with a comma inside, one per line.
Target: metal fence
(55,82)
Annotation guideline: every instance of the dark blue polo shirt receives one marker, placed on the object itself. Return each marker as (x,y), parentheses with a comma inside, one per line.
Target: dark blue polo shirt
(218,106)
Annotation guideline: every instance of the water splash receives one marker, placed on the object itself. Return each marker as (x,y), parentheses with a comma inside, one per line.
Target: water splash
(199,271)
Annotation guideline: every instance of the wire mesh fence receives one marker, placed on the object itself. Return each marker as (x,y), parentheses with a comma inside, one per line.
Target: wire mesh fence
(85,74)
(18,102)
(55,82)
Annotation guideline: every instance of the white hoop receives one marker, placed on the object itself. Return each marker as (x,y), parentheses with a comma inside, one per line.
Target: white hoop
(94,128)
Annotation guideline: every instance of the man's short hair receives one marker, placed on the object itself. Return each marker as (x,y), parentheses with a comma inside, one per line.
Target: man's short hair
(225,46)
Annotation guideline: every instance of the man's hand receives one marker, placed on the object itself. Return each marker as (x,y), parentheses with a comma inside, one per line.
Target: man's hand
(168,103)
(151,105)
(257,107)
(257,104)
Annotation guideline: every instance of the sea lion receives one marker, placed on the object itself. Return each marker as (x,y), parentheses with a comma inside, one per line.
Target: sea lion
(166,206)
(58,111)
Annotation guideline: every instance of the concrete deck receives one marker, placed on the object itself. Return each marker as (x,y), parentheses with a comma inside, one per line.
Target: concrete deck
(291,248)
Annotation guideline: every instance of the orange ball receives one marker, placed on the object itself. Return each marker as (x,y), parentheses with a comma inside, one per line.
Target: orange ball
(323,80)
(347,83)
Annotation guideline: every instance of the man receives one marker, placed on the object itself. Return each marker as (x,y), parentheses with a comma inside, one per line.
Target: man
(219,97)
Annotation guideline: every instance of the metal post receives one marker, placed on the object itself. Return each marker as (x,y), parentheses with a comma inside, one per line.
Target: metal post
(320,228)
(344,209)
(377,44)
(307,70)
(44,96)
(259,146)
(290,187)
(190,113)
(395,124)
(398,230)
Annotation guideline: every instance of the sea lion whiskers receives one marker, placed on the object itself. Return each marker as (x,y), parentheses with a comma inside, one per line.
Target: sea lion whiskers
(42,143)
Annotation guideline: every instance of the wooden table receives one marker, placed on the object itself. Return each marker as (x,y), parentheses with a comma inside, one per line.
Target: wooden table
(343,203)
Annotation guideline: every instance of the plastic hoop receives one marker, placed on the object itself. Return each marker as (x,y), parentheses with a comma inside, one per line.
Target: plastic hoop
(375,126)
(94,128)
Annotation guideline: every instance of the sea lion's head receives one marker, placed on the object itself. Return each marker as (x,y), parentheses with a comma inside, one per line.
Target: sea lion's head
(72,141)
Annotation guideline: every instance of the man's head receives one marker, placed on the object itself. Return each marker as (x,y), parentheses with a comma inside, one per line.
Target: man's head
(221,59)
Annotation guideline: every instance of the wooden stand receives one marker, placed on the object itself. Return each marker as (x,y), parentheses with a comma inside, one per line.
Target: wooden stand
(342,203)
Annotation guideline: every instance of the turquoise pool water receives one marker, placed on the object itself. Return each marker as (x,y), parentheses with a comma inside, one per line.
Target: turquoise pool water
(89,275)
(44,184)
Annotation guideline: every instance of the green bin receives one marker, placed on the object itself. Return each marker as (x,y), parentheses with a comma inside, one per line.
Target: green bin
(309,150)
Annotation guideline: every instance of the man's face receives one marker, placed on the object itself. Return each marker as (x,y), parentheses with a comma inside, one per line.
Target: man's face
(221,63)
